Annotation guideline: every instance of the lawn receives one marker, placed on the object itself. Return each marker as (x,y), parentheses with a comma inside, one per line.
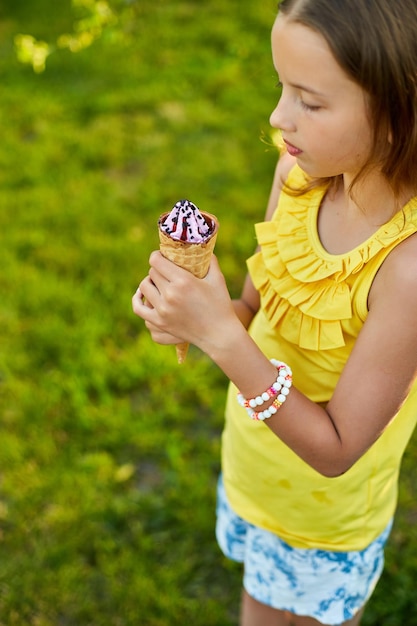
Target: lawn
(109,451)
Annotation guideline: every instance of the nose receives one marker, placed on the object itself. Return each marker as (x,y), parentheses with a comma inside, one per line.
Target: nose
(282,116)
(275,117)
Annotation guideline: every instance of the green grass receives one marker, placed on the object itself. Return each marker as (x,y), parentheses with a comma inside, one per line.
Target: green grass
(109,451)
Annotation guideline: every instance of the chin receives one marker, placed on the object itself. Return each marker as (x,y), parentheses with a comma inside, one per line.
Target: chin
(316,171)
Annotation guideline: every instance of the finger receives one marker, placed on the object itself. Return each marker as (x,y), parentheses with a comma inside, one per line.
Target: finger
(161,337)
(163,267)
(214,268)
(140,303)
(149,291)
(160,281)
(139,298)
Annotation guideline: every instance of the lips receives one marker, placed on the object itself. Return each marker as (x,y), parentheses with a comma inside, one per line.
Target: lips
(293,150)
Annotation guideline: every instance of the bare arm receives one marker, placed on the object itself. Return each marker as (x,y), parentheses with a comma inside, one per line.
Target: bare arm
(370,390)
(248,304)
(373,384)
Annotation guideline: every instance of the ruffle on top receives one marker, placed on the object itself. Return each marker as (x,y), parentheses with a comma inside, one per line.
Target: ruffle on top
(304,290)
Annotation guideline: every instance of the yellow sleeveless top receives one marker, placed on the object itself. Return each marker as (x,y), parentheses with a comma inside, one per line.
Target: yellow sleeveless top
(313,305)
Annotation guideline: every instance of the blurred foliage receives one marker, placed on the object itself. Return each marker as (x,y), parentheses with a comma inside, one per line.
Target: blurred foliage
(109,451)
(93,16)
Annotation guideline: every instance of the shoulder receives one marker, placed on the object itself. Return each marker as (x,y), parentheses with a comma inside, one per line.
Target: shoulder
(395,285)
(284,166)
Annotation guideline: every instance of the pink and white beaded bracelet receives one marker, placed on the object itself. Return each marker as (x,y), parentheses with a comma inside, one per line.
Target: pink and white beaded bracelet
(280,388)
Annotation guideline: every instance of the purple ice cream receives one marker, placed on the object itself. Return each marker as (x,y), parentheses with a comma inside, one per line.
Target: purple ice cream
(185,222)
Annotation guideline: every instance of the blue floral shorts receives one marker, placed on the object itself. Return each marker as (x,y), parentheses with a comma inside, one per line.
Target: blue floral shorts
(328,586)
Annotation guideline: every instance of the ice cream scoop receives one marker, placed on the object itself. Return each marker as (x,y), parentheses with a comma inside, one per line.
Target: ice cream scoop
(187,237)
(185,222)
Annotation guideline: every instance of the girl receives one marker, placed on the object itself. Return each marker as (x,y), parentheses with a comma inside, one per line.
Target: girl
(309,484)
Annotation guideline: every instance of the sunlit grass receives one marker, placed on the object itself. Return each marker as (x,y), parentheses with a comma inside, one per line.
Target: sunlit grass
(109,450)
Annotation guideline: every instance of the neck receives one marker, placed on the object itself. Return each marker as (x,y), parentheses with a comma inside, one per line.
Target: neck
(373,197)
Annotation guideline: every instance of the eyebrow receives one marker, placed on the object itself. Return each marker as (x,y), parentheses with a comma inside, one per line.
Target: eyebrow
(307,89)
(301,87)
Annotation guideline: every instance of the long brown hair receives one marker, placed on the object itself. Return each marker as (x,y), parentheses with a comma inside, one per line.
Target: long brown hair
(375,43)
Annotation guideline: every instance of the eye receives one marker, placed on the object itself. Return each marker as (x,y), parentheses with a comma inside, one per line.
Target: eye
(309,107)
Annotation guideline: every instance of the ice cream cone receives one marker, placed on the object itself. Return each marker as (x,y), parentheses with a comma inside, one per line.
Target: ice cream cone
(194,257)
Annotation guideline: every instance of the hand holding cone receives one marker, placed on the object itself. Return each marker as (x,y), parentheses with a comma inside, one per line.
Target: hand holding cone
(194,257)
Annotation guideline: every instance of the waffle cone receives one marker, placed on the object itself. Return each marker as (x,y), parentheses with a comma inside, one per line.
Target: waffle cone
(194,257)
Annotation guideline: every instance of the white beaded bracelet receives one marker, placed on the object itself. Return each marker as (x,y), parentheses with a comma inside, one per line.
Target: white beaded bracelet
(280,388)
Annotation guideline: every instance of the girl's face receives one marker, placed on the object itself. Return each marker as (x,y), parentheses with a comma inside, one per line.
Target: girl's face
(322,113)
